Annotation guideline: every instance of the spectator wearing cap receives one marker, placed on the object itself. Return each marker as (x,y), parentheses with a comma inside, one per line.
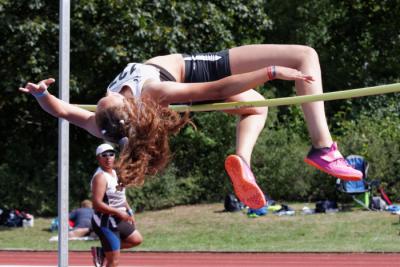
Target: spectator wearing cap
(113,220)
(105,155)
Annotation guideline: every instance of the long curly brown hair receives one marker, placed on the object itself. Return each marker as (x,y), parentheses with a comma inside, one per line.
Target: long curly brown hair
(145,127)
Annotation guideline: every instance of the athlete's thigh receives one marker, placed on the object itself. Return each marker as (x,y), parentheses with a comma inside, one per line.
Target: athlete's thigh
(250,95)
(252,57)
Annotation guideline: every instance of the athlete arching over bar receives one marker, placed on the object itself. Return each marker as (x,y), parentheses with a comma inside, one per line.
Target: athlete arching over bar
(135,111)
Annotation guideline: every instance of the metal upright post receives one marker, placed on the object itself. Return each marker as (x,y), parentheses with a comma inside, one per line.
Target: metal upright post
(63,135)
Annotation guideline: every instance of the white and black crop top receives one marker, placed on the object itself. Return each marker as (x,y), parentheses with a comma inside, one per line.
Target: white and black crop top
(134,76)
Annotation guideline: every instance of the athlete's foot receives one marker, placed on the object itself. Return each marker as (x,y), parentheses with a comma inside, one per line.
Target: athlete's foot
(331,161)
(244,182)
(98,256)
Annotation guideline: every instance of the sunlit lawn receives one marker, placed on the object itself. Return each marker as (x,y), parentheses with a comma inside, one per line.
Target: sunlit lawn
(207,228)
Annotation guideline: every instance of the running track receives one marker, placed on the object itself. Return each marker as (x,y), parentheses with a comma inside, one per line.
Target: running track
(209,259)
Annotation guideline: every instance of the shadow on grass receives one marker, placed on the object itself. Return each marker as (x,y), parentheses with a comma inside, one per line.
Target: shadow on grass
(220,211)
(397,223)
(5,228)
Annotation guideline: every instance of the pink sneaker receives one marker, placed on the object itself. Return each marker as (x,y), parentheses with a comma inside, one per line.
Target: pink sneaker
(330,160)
(244,182)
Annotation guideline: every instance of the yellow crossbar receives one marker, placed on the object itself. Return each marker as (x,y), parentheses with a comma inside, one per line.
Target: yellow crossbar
(367,91)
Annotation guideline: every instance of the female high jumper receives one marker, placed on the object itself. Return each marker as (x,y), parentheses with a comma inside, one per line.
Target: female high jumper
(135,111)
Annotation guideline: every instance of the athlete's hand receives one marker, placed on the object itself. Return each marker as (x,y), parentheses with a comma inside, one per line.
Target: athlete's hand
(132,219)
(125,216)
(289,74)
(39,88)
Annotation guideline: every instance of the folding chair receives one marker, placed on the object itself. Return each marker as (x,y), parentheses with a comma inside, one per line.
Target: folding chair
(360,191)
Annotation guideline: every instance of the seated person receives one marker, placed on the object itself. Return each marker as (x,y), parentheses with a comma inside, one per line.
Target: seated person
(82,220)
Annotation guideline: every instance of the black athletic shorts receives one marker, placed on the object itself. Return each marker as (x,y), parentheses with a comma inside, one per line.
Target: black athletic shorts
(206,67)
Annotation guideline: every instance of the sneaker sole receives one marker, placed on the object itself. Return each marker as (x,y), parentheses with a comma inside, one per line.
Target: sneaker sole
(248,192)
(343,177)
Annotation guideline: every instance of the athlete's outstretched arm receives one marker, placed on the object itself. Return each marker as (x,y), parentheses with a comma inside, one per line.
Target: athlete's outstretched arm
(60,109)
(173,92)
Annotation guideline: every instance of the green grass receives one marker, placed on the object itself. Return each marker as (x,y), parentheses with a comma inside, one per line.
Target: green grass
(207,228)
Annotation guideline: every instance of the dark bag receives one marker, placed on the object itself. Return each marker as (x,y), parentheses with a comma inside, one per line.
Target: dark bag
(4,216)
(232,204)
(15,218)
(325,205)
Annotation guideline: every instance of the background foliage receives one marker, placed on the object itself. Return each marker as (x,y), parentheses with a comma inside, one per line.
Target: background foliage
(358,44)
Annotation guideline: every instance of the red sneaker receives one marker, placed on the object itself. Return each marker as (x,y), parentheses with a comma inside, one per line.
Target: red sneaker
(244,182)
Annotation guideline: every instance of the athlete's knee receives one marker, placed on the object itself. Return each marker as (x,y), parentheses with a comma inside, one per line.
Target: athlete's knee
(113,262)
(248,96)
(309,53)
(138,240)
(260,110)
(135,240)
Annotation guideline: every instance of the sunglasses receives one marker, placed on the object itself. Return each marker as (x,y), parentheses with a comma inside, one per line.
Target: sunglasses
(107,154)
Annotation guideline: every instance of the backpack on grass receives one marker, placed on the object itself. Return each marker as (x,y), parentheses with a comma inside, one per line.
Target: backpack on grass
(326,206)
(4,216)
(232,204)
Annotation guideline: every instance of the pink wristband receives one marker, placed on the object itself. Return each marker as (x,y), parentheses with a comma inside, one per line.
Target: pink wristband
(271,72)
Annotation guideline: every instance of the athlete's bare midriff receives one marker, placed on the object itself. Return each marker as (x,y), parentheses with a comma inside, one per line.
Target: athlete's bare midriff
(173,63)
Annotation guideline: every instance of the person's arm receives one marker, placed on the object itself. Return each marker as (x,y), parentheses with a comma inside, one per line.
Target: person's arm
(99,185)
(60,109)
(173,92)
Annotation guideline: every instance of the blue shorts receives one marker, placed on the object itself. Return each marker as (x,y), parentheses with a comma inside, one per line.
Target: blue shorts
(111,231)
